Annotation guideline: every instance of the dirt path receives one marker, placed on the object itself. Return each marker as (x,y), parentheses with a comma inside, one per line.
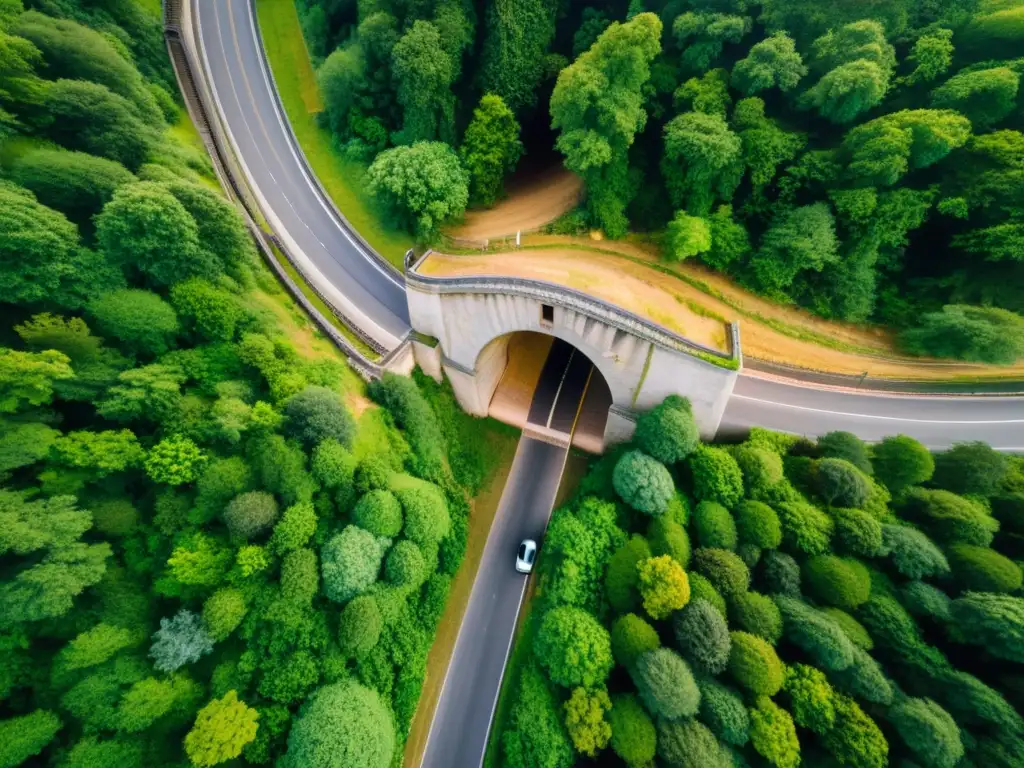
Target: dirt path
(681,306)
(531,203)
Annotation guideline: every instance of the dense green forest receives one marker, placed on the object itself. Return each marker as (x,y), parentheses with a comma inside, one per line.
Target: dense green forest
(777,603)
(213,546)
(863,160)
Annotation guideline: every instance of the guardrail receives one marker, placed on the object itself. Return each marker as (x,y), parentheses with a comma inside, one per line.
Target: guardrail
(569,298)
(203,116)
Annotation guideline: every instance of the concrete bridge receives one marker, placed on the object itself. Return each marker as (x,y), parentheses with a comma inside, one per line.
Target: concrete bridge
(462,326)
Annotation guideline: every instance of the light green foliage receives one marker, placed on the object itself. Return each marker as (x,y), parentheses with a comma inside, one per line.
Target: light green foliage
(490,149)
(91,753)
(536,734)
(996,622)
(597,109)
(24,737)
(702,161)
(842,582)
(931,56)
(643,483)
(985,96)
(663,586)
(857,63)
(686,743)
(631,637)
(100,453)
(214,313)
(423,75)
(585,713)
(334,468)
(172,700)
(773,62)
(722,710)
(427,518)
(978,334)
(901,461)
(350,563)
(378,512)
(75,183)
(758,524)
(294,529)
(223,611)
(667,432)
(948,518)
(666,685)
(419,187)
(857,532)
(222,728)
(621,577)
(702,636)
(761,468)
(715,526)
(708,94)
(724,569)
(342,724)
(175,461)
(855,739)
(93,647)
(811,698)
(250,514)
(359,626)
(686,236)
(405,565)
(773,734)
(928,731)
(716,476)
(729,240)
(633,735)
(980,569)
(805,529)
(852,628)
(766,146)
(821,639)
(573,648)
(667,537)
(754,665)
(28,378)
(140,321)
(757,614)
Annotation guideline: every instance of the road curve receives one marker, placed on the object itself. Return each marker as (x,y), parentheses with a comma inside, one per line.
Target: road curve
(267,149)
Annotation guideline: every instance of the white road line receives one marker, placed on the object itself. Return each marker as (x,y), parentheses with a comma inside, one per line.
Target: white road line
(874,416)
(554,403)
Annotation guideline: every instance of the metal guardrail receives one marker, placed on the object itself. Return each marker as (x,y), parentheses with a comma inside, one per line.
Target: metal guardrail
(578,301)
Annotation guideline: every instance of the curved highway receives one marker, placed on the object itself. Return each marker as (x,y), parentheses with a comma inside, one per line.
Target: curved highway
(364,288)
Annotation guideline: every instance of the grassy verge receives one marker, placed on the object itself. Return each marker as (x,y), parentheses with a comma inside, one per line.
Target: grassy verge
(296,83)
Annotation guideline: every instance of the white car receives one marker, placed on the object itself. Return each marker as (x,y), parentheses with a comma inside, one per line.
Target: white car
(526,555)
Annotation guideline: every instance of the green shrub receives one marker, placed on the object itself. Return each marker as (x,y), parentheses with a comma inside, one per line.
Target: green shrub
(995,622)
(663,586)
(846,446)
(667,432)
(900,462)
(922,600)
(343,723)
(141,321)
(726,572)
(840,483)
(372,473)
(760,467)
(689,744)
(633,734)
(758,524)
(972,703)
(928,731)
(295,528)
(317,413)
(350,562)
(666,684)
(715,526)
(811,698)
(643,483)
(913,553)
(379,513)
(754,665)
(840,581)
(779,443)
(667,537)
(249,514)
(585,720)
(678,509)
(702,589)
(536,734)
(359,626)
(780,574)
(749,554)
(621,577)
(948,518)
(980,569)
(411,411)
(815,633)
(299,578)
(223,611)
(757,614)
(805,529)
(631,636)
(702,636)
(863,679)
(573,648)
(716,476)
(723,712)
(405,565)
(26,736)
(773,734)
(427,519)
(851,627)
(975,469)
(857,532)
(855,739)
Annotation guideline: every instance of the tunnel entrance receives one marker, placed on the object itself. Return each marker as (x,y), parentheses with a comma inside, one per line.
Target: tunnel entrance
(552,391)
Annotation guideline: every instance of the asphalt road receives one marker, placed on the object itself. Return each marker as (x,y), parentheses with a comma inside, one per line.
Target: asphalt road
(265,147)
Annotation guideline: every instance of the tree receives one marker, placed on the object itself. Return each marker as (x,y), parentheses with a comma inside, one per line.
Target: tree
(855,739)
(296,526)
(597,108)
(858,532)
(24,737)
(708,93)
(754,664)
(175,461)
(378,512)
(716,476)
(316,414)
(715,526)
(423,74)
(773,734)
(140,320)
(631,637)
(688,744)
(757,614)
(585,713)
(145,228)
(667,432)
(702,636)
(643,483)
(980,569)
(729,240)
(517,36)
(75,183)
(995,622)
(811,698)
(222,231)
(223,611)
(536,734)
(490,149)
(573,648)
(214,314)
(900,461)
(976,334)
(223,727)
(912,552)
(724,569)
(427,519)
(946,517)
(816,634)
(931,56)
(758,524)
(663,585)
(91,753)
(687,236)
(633,735)
(805,529)
(846,446)
(419,187)
(179,641)
(93,647)
(250,514)
(350,562)
(702,161)
(761,469)
(928,731)
(799,239)
(773,62)
(28,378)
(723,712)
(405,565)
(984,96)
(702,36)
(840,483)
(147,701)
(667,537)
(359,626)
(971,468)
(341,724)
(844,93)
(621,577)
(666,685)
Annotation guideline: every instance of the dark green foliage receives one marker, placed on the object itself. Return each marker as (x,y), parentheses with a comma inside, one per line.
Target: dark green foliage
(857,532)
(251,513)
(805,529)
(702,589)
(755,613)
(573,648)
(840,483)
(715,526)
(75,183)
(754,665)
(621,577)
(913,553)
(816,634)
(781,574)
(928,731)
(978,334)
(316,414)
(536,732)
(667,432)
(25,737)
(643,483)
(490,149)
(142,322)
(667,537)
(838,581)
(631,637)
(666,685)
(852,628)
(970,468)
(948,518)
(702,636)
(995,622)
(900,462)
(633,735)
(411,411)
(716,476)
(722,711)
(724,570)
(689,744)
(863,679)
(579,544)
(350,563)
(378,512)
(980,569)
(846,446)
(359,626)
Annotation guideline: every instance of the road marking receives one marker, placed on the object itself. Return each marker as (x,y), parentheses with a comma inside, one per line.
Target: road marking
(558,391)
(875,416)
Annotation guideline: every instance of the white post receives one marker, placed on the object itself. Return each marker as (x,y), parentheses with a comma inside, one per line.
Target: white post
(517,237)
